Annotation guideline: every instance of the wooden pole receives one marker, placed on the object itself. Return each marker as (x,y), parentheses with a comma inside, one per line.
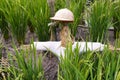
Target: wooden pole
(51,4)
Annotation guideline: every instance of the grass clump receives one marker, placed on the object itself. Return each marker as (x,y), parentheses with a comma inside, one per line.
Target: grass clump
(77,7)
(39,16)
(89,65)
(3,22)
(15,15)
(99,19)
(17,18)
(73,66)
(116,18)
(24,65)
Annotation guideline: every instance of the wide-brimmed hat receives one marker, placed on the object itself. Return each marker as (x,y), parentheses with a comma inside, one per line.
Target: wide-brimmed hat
(63,15)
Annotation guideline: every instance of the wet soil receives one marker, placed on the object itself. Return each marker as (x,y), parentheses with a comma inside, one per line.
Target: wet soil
(50,61)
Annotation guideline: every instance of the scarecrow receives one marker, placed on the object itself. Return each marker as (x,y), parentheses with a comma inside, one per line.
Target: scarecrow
(64,16)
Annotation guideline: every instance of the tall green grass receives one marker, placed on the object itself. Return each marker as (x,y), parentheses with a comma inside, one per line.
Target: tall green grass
(74,66)
(16,16)
(116,18)
(89,65)
(99,19)
(77,7)
(25,65)
(20,13)
(39,16)
(59,4)
(3,22)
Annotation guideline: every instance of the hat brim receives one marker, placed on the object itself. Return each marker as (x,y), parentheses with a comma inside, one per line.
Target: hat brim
(61,19)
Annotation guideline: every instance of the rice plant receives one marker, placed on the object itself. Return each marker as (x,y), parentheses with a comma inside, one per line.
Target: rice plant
(18,22)
(93,65)
(99,19)
(116,18)
(16,16)
(25,65)
(59,4)
(3,22)
(74,66)
(39,16)
(30,12)
(77,7)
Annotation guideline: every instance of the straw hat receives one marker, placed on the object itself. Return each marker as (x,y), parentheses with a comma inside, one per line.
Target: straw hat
(63,15)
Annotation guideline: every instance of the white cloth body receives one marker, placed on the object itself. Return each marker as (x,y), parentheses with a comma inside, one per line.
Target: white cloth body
(58,50)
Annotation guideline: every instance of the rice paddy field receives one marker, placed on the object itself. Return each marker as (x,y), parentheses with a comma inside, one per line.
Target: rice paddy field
(23,22)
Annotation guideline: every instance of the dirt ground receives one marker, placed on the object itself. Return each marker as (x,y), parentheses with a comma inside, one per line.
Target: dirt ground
(50,62)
